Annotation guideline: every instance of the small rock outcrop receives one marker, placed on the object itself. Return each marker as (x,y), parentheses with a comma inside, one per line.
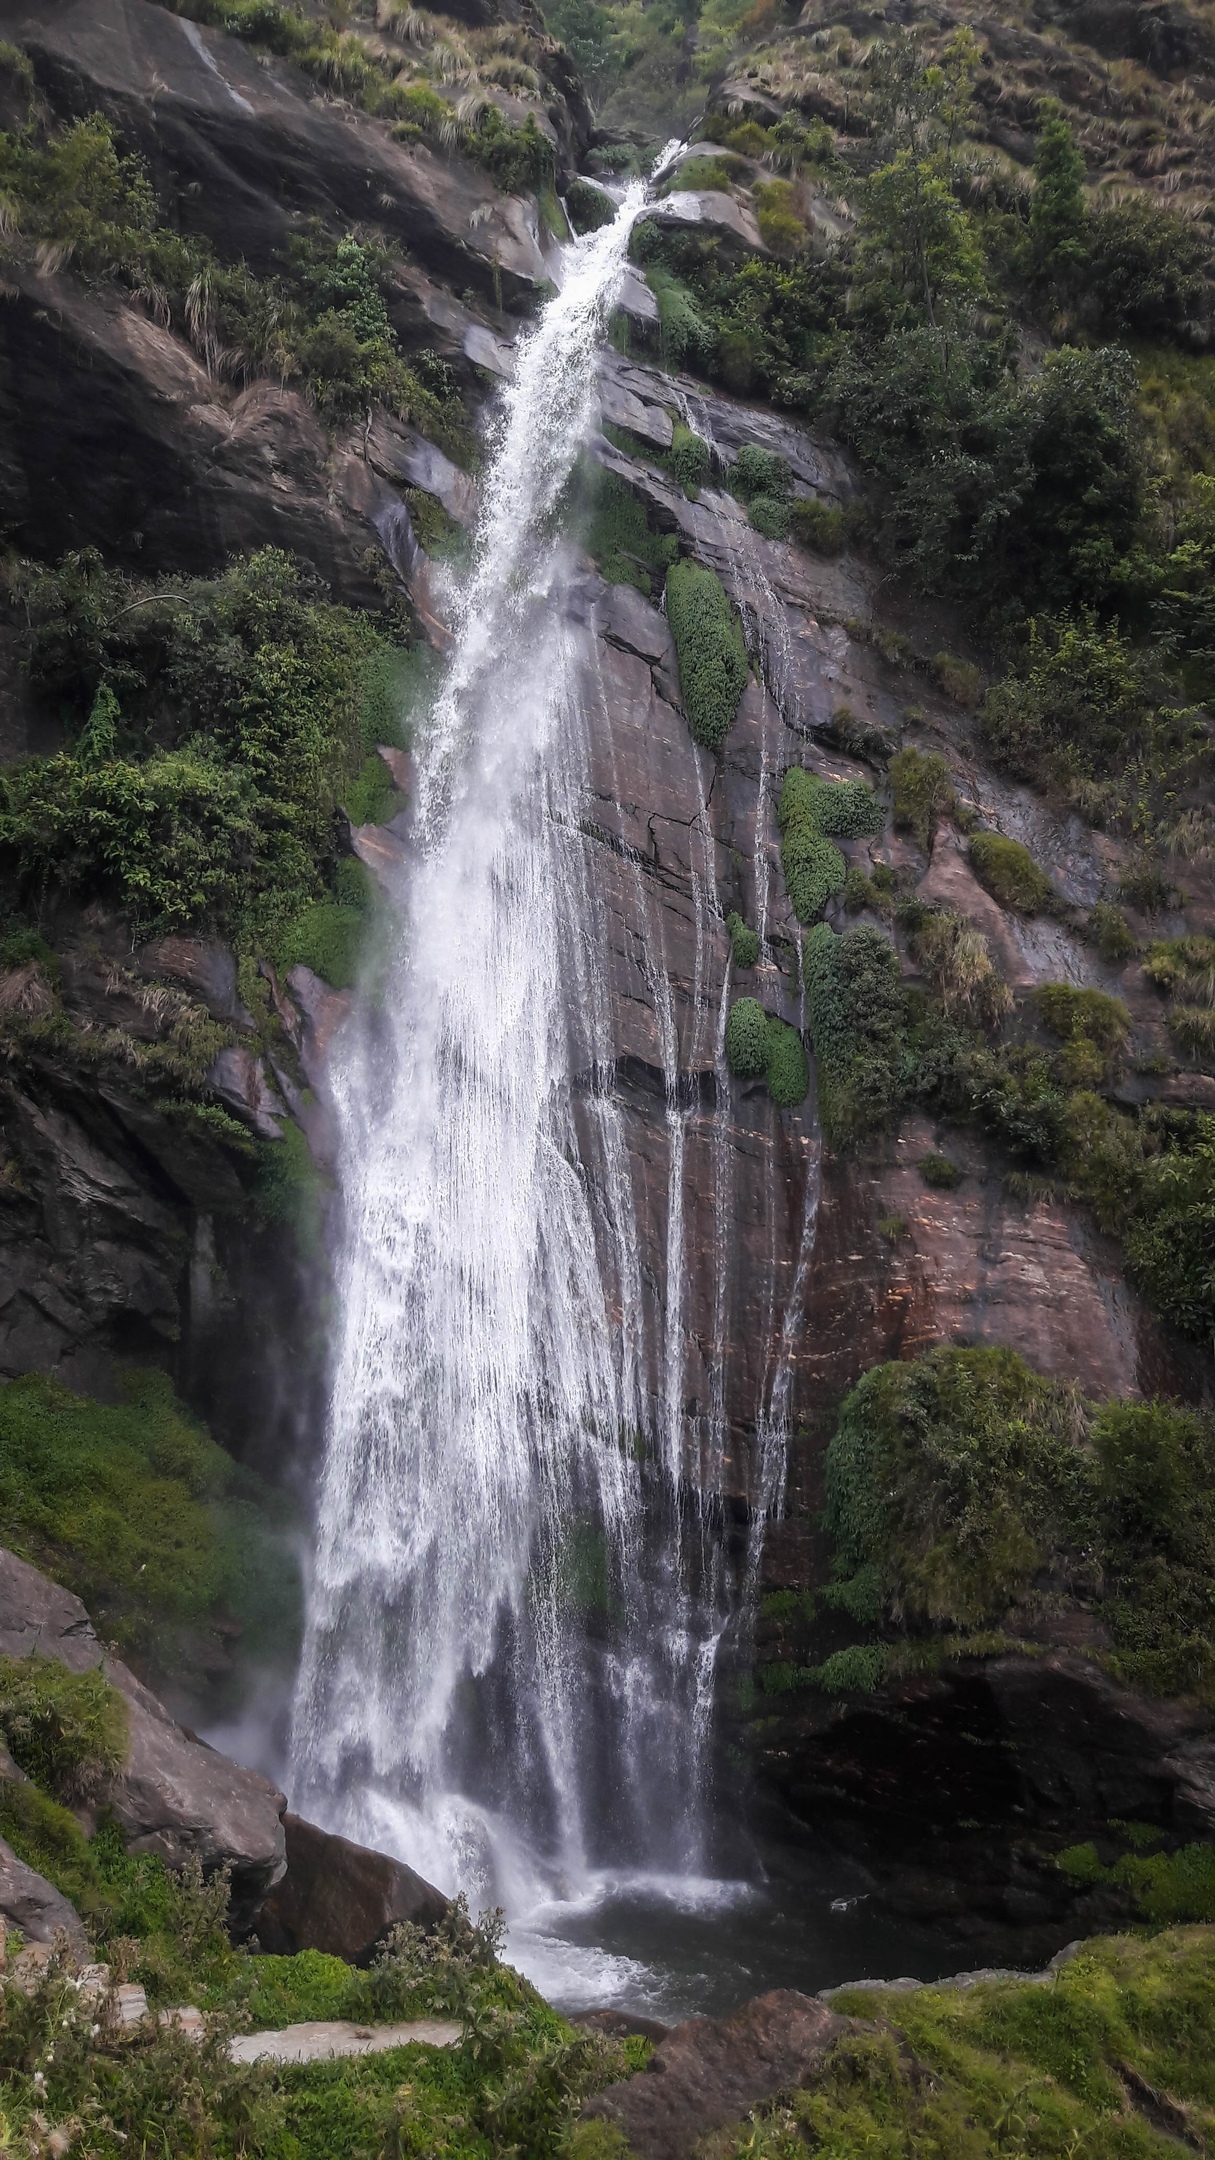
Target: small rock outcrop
(340,1897)
(175,1796)
(710,2071)
(29,1902)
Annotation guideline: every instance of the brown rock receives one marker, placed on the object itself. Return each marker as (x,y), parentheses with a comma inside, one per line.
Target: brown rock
(238,1077)
(710,2071)
(340,1897)
(202,965)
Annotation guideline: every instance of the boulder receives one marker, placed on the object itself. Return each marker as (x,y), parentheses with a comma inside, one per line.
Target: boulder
(710,2071)
(341,1898)
(29,1902)
(174,1796)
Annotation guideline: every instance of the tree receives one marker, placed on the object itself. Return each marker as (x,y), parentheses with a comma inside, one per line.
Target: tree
(1056,211)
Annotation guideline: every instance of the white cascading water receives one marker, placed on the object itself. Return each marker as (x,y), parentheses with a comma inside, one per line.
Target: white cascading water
(492,1684)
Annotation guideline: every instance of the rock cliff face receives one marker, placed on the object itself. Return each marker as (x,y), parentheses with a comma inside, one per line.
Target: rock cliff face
(767,1284)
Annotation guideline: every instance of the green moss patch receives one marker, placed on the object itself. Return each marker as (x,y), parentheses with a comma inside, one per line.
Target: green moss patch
(857,1016)
(1010,874)
(138,1511)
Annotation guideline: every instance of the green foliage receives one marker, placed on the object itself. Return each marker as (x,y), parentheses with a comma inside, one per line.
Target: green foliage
(688,458)
(709,644)
(810,810)
(758,472)
(137,1510)
(920,780)
(1079,699)
(770,516)
(964,1488)
(66,1730)
(968,2074)
(328,938)
(857,1017)
(262,689)
(817,526)
(588,206)
(289,1188)
(1010,874)
(1110,932)
(959,679)
(518,159)
(1145,268)
(787,1069)
(747,1039)
(941,1172)
(1165,1887)
(1070,1012)
(956,1477)
(619,538)
(744,943)
(1056,210)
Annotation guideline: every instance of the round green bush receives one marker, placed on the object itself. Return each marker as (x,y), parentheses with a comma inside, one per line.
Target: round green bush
(817,526)
(747,1039)
(1010,874)
(770,516)
(788,1068)
(744,943)
(709,644)
(759,472)
(588,206)
(940,1171)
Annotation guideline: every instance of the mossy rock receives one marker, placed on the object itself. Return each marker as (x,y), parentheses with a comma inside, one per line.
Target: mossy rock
(1009,873)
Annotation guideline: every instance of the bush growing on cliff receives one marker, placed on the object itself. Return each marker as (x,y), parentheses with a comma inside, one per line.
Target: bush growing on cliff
(1011,875)
(857,1018)
(964,1489)
(809,811)
(66,1730)
(238,715)
(747,1038)
(709,644)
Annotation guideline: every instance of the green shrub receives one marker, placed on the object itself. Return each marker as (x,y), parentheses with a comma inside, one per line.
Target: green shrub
(1010,874)
(760,472)
(709,644)
(857,1016)
(808,811)
(788,1072)
(744,943)
(1110,932)
(921,792)
(328,938)
(891,1227)
(959,679)
(1185,967)
(588,206)
(1068,1011)
(941,1172)
(817,525)
(1144,886)
(688,458)
(770,516)
(66,1730)
(962,1487)
(858,1670)
(619,538)
(747,1039)
(1079,698)
(814,869)
(858,892)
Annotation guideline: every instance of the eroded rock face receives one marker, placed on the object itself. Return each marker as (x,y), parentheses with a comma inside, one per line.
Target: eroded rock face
(174,1796)
(711,2071)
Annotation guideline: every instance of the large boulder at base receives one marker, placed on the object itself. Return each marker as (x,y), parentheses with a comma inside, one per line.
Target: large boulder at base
(710,2071)
(29,1902)
(340,1897)
(175,1795)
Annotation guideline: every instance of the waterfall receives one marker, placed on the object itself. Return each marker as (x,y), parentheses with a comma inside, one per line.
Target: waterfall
(491,1683)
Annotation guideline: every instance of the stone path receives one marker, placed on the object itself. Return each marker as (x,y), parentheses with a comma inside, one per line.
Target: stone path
(323,2039)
